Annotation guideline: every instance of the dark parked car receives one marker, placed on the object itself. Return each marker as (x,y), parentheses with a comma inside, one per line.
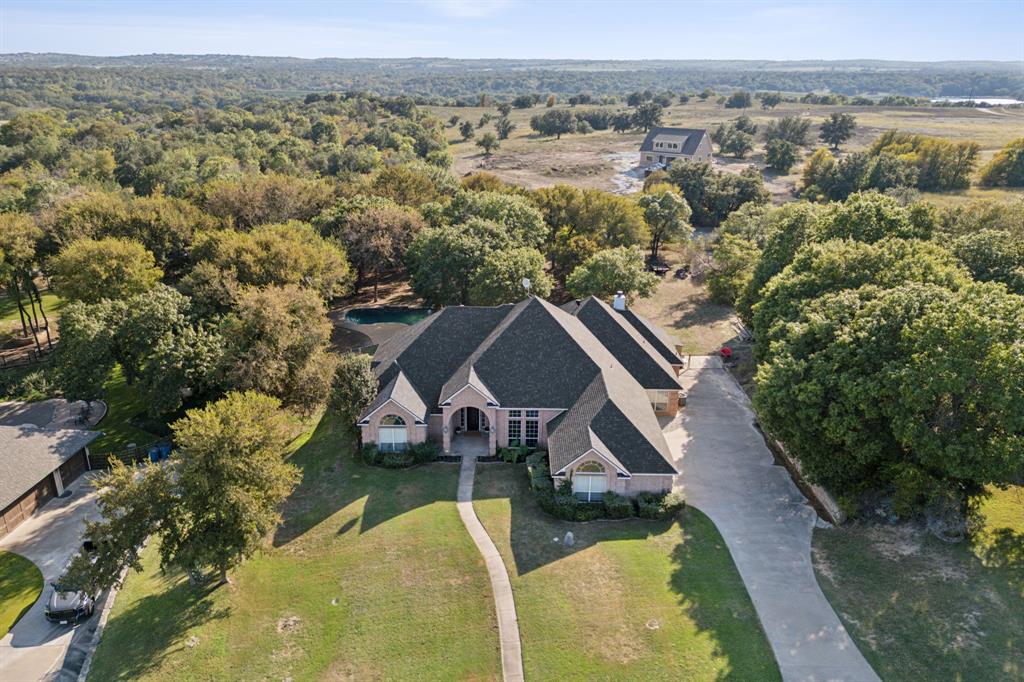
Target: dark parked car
(68,604)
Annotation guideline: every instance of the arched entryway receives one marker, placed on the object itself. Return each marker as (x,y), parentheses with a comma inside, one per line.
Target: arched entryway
(471,432)
(470,420)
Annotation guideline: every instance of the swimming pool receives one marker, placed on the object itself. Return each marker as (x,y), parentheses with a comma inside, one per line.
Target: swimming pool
(394,314)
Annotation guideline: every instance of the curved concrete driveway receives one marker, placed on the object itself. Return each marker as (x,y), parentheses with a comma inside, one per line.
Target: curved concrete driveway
(36,649)
(730,475)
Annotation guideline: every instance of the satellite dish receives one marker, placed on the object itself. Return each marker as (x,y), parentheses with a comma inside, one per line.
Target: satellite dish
(526,283)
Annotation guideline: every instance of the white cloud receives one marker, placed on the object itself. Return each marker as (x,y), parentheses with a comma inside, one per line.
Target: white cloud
(467,9)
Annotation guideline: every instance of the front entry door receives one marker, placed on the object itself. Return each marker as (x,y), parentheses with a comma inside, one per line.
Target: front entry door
(472,419)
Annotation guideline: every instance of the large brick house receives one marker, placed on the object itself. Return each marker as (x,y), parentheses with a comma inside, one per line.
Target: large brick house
(585,381)
(664,145)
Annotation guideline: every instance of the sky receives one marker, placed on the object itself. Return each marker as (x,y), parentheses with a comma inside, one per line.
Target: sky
(925,30)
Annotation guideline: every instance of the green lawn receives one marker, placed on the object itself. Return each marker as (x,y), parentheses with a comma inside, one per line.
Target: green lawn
(123,403)
(637,600)
(9,309)
(371,577)
(922,609)
(20,585)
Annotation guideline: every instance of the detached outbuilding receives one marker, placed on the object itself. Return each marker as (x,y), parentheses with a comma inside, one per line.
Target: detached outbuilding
(36,465)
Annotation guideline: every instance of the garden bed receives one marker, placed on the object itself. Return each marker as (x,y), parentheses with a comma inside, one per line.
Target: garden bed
(560,503)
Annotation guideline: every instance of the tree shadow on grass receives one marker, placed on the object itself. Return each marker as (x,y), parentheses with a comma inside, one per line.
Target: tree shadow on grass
(1004,548)
(154,627)
(334,476)
(713,595)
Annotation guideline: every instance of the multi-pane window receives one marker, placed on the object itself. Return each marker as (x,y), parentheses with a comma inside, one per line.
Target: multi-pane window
(392,435)
(589,482)
(515,428)
(532,428)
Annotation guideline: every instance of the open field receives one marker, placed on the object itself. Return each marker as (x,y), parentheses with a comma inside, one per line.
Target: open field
(371,577)
(639,600)
(599,159)
(925,610)
(20,585)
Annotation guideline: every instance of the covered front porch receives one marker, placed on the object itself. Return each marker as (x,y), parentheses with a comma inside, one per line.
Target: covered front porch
(470,429)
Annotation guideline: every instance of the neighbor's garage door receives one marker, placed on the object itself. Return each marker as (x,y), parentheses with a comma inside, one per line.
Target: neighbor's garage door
(73,468)
(23,507)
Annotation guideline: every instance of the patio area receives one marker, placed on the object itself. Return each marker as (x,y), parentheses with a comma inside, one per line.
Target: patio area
(472,444)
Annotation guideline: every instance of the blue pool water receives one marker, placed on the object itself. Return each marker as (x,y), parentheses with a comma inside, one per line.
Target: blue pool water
(395,314)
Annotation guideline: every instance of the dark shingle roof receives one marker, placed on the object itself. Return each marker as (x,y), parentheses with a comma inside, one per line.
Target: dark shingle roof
(397,387)
(658,339)
(637,355)
(430,351)
(533,355)
(29,453)
(693,138)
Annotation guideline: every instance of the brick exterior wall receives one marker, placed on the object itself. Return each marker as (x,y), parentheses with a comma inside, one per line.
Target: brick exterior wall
(415,433)
(672,405)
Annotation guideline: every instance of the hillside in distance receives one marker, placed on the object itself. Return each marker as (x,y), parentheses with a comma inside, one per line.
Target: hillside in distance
(438,79)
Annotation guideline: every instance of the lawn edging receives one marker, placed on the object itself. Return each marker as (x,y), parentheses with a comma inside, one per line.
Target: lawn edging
(101,624)
(821,499)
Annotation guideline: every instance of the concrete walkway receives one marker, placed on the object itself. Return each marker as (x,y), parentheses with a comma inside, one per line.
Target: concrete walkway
(730,475)
(508,624)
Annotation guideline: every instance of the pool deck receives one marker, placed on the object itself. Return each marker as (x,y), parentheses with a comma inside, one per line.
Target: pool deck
(349,336)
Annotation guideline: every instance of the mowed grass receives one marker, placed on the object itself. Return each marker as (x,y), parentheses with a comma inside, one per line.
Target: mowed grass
(630,600)
(20,585)
(52,304)
(123,404)
(921,609)
(372,577)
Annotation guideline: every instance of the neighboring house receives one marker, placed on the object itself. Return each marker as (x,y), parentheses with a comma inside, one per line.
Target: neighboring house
(582,384)
(35,466)
(662,146)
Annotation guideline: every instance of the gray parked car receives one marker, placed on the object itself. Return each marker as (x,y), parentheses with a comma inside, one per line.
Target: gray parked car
(68,604)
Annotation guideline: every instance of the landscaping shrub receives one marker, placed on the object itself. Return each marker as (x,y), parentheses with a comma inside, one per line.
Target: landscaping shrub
(426,451)
(561,503)
(658,506)
(617,506)
(419,453)
(540,475)
(514,455)
(371,453)
(396,460)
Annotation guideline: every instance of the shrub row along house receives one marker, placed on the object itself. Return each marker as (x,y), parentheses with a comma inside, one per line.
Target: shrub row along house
(587,382)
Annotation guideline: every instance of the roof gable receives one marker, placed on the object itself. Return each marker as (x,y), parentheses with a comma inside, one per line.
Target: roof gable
(659,340)
(430,351)
(641,359)
(693,136)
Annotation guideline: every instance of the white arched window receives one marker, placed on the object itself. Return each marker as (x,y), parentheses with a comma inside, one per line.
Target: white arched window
(392,434)
(589,482)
